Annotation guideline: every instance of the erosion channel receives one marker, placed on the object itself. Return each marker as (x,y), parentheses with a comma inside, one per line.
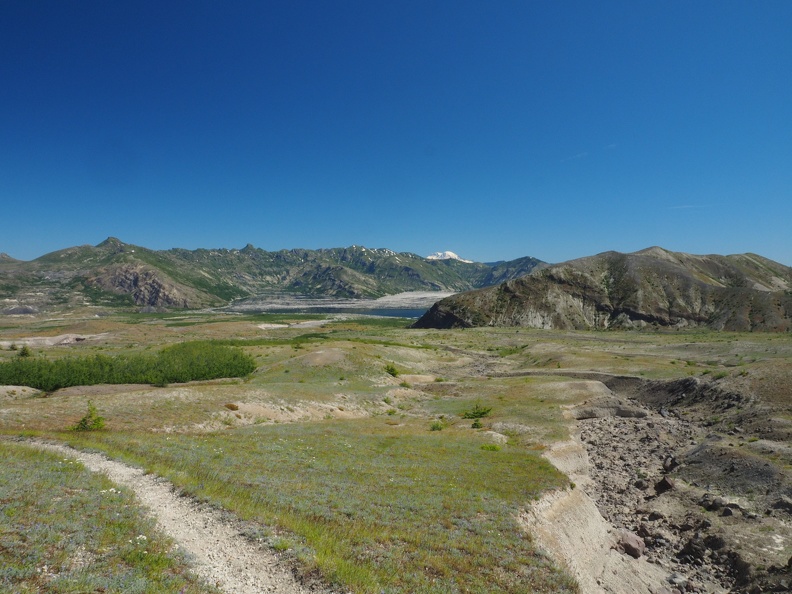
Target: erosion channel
(660,503)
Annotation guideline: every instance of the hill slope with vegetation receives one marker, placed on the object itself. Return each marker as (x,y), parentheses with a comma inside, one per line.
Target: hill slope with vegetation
(114,273)
(652,287)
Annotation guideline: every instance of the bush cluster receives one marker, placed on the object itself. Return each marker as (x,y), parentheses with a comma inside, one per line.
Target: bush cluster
(175,364)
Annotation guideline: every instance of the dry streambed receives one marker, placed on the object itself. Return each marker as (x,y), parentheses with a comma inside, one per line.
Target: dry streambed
(222,556)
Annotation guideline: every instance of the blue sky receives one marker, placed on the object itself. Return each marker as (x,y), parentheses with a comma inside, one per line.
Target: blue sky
(493,129)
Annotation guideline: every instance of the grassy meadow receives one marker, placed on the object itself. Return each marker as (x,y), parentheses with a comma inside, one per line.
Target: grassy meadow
(346,444)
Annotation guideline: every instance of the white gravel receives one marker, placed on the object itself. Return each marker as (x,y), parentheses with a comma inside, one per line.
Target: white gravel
(221,555)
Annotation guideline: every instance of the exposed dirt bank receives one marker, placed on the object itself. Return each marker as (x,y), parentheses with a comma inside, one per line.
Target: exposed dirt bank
(570,527)
(221,555)
(702,508)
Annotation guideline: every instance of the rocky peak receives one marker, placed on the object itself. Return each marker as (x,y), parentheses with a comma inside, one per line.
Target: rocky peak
(111,242)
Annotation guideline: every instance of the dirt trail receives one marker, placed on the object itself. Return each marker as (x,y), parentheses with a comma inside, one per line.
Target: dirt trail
(221,556)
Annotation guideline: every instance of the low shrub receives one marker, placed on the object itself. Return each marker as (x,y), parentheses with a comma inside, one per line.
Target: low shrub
(477,412)
(91,421)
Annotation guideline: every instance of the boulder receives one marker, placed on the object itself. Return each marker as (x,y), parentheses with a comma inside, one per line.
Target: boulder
(664,484)
(631,544)
(714,542)
(694,550)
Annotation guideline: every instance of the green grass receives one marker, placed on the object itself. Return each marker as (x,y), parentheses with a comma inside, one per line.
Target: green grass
(373,323)
(532,403)
(378,503)
(65,529)
(370,506)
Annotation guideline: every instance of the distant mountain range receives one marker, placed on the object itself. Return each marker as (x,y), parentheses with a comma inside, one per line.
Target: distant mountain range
(653,287)
(114,273)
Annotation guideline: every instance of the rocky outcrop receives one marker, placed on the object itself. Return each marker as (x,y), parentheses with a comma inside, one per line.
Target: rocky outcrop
(144,285)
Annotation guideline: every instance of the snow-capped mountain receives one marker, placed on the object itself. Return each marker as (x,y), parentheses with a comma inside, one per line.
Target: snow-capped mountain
(447,256)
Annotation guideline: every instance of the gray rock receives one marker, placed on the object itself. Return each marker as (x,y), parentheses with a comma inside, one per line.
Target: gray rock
(783,504)
(678,580)
(718,503)
(714,542)
(694,550)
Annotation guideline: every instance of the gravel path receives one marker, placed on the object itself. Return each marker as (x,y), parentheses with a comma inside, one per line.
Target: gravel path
(221,555)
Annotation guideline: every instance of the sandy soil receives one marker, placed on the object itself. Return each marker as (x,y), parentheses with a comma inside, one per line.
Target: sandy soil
(16,392)
(406,300)
(41,341)
(221,556)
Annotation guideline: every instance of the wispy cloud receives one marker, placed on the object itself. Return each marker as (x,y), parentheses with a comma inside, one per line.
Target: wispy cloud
(582,155)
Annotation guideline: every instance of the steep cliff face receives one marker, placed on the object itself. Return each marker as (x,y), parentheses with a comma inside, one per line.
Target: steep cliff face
(147,287)
(653,287)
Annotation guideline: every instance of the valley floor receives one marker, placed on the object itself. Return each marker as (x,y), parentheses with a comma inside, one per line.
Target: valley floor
(348,461)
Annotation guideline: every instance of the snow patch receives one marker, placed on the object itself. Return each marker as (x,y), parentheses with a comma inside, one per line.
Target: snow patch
(447,256)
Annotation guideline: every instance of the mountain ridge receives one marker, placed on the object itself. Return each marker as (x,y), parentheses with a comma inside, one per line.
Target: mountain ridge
(652,287)
(119,274)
